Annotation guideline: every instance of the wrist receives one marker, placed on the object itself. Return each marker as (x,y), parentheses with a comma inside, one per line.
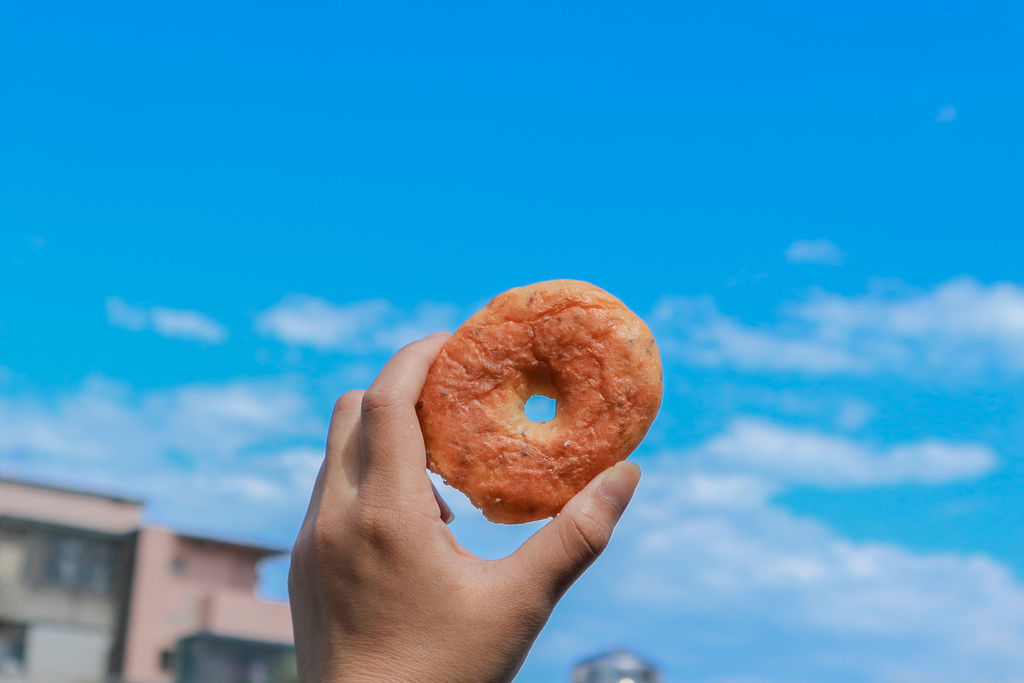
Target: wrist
(365,667)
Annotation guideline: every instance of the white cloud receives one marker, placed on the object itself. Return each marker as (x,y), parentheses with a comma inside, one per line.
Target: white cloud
(696,330)
(717,577)
(301,464)
(303,320)
(736,584)
(946,114)
(124,315)
(960,327)
(961,309)
(187,325)
(817,252)
(168,322)
(785,455)
(359,327)
(254,488)
(720,579)
(201,454)
(823,405)
(107,420)
(724,584)
(700,488)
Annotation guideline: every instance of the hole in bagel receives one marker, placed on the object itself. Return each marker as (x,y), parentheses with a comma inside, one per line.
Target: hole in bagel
(540,408)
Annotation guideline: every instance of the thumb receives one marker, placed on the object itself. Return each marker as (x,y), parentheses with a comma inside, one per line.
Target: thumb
(560,552)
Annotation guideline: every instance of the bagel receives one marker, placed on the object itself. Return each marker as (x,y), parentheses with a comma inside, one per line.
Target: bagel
(565,339)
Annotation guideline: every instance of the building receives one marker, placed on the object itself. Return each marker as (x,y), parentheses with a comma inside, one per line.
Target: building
(64,559)
(615,666)
(90,594)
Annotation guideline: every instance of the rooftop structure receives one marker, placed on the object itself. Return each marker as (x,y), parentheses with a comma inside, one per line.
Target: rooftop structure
(616,666)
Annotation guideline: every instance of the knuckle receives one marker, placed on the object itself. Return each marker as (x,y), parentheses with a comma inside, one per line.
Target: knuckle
(378,399)
(329,549)
(349,401)
(586,537)
(324,539)
(377,526)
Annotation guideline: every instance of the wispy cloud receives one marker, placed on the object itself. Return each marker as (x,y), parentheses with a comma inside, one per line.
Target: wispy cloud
(124,315)
(108,420)
(781,454)
(707,564)
(192,451)
(694,329)
(817,252)
(369,326)
(720,578)
(753,577)
(961,327)
(704,556)
(168,322)
(961,309)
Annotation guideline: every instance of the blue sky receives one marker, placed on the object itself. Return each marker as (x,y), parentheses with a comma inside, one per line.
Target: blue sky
(213,220)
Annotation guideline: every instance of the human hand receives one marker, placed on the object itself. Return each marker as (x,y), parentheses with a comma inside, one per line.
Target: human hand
(381,590)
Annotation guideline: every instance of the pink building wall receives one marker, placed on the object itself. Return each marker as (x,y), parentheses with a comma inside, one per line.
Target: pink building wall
(185,585)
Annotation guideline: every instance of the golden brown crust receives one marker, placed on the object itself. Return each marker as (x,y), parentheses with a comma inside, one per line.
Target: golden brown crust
(564,339)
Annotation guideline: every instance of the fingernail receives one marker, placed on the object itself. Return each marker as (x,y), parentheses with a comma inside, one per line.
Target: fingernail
(450,518)
(438,334)
(619,483)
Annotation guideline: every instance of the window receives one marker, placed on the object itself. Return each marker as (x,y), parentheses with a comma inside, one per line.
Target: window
(65,562)
(205,657)
(78,564)
(12,648)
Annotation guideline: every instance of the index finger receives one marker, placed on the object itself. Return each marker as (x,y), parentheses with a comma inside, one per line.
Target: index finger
(394,458)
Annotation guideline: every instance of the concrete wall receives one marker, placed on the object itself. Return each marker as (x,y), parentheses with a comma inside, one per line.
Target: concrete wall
(58,653)
(69,629)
